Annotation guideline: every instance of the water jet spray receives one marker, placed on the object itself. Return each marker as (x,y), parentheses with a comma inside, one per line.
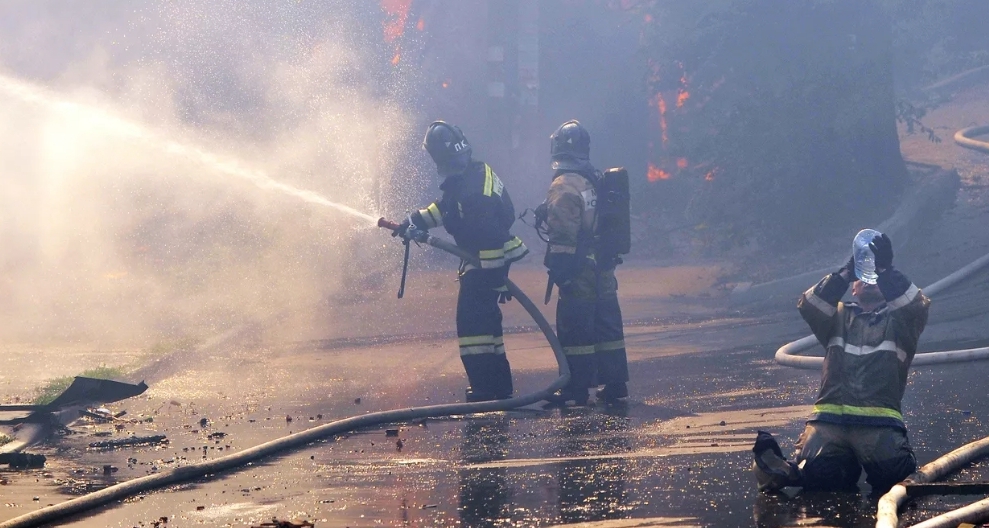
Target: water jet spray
(38,95)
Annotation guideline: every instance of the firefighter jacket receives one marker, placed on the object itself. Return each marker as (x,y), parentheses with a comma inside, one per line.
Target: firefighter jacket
(478,213)
(570,214)
(867,354)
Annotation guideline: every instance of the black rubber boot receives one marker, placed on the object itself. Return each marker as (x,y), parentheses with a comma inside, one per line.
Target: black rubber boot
(613,392)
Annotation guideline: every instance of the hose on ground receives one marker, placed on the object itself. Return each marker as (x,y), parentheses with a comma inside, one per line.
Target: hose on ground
(787,354)
(886,516)
(303,438)
(889,504)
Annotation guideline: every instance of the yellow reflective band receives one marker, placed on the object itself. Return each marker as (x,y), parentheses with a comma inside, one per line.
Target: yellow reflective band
(610,345)
(873,412)
(476,340)
(434,212)
(499,340)
(578,350)
(488,180)
(515,249)
(477,350)
(493,263)
(559,248)
(489,254)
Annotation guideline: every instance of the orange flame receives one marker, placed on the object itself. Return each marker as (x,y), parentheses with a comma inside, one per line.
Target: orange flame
(396,59)
(446,84)
(398,13)
(682,98)
(681,163)
(421,24)
(655,174)
(710,174)
(661,105)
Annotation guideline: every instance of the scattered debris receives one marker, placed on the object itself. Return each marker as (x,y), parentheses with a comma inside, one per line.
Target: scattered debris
(23,460)
(216,435)
(204,422)
(391,432)
(294,523)
(399,444)
(109,470)
(357,401)
(131,441)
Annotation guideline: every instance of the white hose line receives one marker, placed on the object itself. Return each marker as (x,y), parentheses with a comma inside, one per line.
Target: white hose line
(972,513)
(886,516)
(964,138)
(787,354)
(203,469)
(889,504)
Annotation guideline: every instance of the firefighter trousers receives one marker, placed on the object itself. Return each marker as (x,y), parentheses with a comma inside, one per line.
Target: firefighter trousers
(589,325)
(479,332)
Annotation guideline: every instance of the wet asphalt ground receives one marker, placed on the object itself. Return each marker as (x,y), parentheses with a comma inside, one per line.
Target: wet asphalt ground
(677,454)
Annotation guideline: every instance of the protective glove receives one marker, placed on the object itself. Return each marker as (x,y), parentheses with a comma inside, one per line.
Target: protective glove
(403,228)
(847,271)
(504,296)
(562,268)
(882,249)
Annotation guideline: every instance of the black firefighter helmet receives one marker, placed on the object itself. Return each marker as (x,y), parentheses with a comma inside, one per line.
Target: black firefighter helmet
(570,147)
(448,147)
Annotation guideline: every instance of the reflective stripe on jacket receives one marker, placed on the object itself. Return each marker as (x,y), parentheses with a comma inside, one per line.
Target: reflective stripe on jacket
(868,354)
(478,212)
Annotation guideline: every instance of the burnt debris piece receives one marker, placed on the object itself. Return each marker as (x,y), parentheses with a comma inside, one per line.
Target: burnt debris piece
(23,460)
(129,441)
(294,523)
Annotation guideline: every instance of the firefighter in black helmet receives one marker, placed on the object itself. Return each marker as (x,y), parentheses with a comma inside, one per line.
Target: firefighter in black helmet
(588,317)
(476,210)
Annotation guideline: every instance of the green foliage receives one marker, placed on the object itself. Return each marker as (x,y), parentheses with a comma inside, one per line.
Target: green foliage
(47,393)
(4,439)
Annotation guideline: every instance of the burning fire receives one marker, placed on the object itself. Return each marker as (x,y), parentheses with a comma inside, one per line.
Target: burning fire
(682,93)
(660,104)
(655,174)
(397,12)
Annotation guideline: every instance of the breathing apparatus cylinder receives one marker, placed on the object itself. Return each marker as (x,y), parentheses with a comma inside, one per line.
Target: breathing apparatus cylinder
(614,224)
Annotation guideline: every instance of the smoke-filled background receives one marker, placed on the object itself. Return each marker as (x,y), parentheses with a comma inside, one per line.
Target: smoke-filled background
(154,156)
(140,146)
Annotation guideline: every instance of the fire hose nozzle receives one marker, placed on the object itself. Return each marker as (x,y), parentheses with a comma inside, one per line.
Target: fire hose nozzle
(388,224)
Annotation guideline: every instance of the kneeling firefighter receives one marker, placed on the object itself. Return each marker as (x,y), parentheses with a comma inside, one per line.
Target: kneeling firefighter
(476,210)
(586,223)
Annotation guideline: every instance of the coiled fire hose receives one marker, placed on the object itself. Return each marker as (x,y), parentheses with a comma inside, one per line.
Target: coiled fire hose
(303,438)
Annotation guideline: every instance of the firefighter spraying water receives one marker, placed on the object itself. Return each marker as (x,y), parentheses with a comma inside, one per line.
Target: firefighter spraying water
(477,211)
